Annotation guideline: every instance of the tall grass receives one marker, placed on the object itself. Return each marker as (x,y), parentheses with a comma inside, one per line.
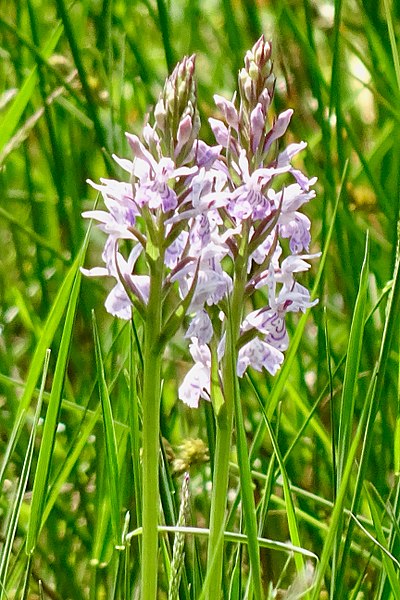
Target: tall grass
(323,436)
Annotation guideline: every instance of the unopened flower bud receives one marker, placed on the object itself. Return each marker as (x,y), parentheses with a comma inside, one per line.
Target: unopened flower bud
(265,100)
(262,51)
(253,71)
(256,87)
(169,92)
(243,76)
(184,132)
(181,89)
(160,114)
(270,84)
(257,124)
(190,109)
(228,110)
(177,102)
(245,85)
(248,57)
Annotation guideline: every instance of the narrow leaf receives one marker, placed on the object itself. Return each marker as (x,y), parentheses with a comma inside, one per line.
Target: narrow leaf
(110,437)
(13,114)
(50,425)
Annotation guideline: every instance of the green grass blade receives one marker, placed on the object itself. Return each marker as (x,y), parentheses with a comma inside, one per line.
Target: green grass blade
(311,419)
(49,330)
(352,367)
(164,22)
(253,17)
(335,73)
(246,491)
(134,425)
(236,579)
(393,534)
(289,18)
(290,510)
(71,461)
(100,550)
(50,425)
(385,77)
(20,102)
(110,437)
(26,42)
(90,418)
(12,524)
(76,53)
(383,197)
(35,237)
(388,561)
(337,513)
(393,43)
(390,327)
(233,34)
(15,433)
(266,494)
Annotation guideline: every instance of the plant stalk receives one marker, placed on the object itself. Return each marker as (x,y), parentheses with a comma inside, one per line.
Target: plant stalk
(224,426)
(151,435)
(215,555)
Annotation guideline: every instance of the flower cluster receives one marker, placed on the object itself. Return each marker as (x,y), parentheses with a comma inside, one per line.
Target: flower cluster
(216,215)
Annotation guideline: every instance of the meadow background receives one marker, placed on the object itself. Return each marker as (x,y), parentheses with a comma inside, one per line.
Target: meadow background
(325,447)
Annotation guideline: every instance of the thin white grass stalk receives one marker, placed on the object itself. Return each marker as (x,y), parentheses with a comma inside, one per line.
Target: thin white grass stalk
(230,537)
(376,542)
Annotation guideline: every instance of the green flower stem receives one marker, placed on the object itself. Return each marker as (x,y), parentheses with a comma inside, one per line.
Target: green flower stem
(218,499)
(151,432)
(230,384)
(224,426)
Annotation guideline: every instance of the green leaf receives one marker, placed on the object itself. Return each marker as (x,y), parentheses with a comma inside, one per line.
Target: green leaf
(290,510)
(376,388)
(20,102)
(388,561)
(352,366)
(47,445)
(110,438)
(48,332)
(23,480)
(134,422)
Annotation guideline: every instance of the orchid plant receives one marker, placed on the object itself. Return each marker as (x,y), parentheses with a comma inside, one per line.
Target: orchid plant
(200,228)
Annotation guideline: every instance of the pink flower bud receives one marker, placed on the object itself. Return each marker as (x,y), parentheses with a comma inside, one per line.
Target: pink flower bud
(160,114)
(279,128)
(184,132)
(257,125)
(228,110)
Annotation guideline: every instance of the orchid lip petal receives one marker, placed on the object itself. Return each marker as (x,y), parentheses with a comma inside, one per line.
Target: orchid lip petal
(124,163)
(99,215)
(95,272)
